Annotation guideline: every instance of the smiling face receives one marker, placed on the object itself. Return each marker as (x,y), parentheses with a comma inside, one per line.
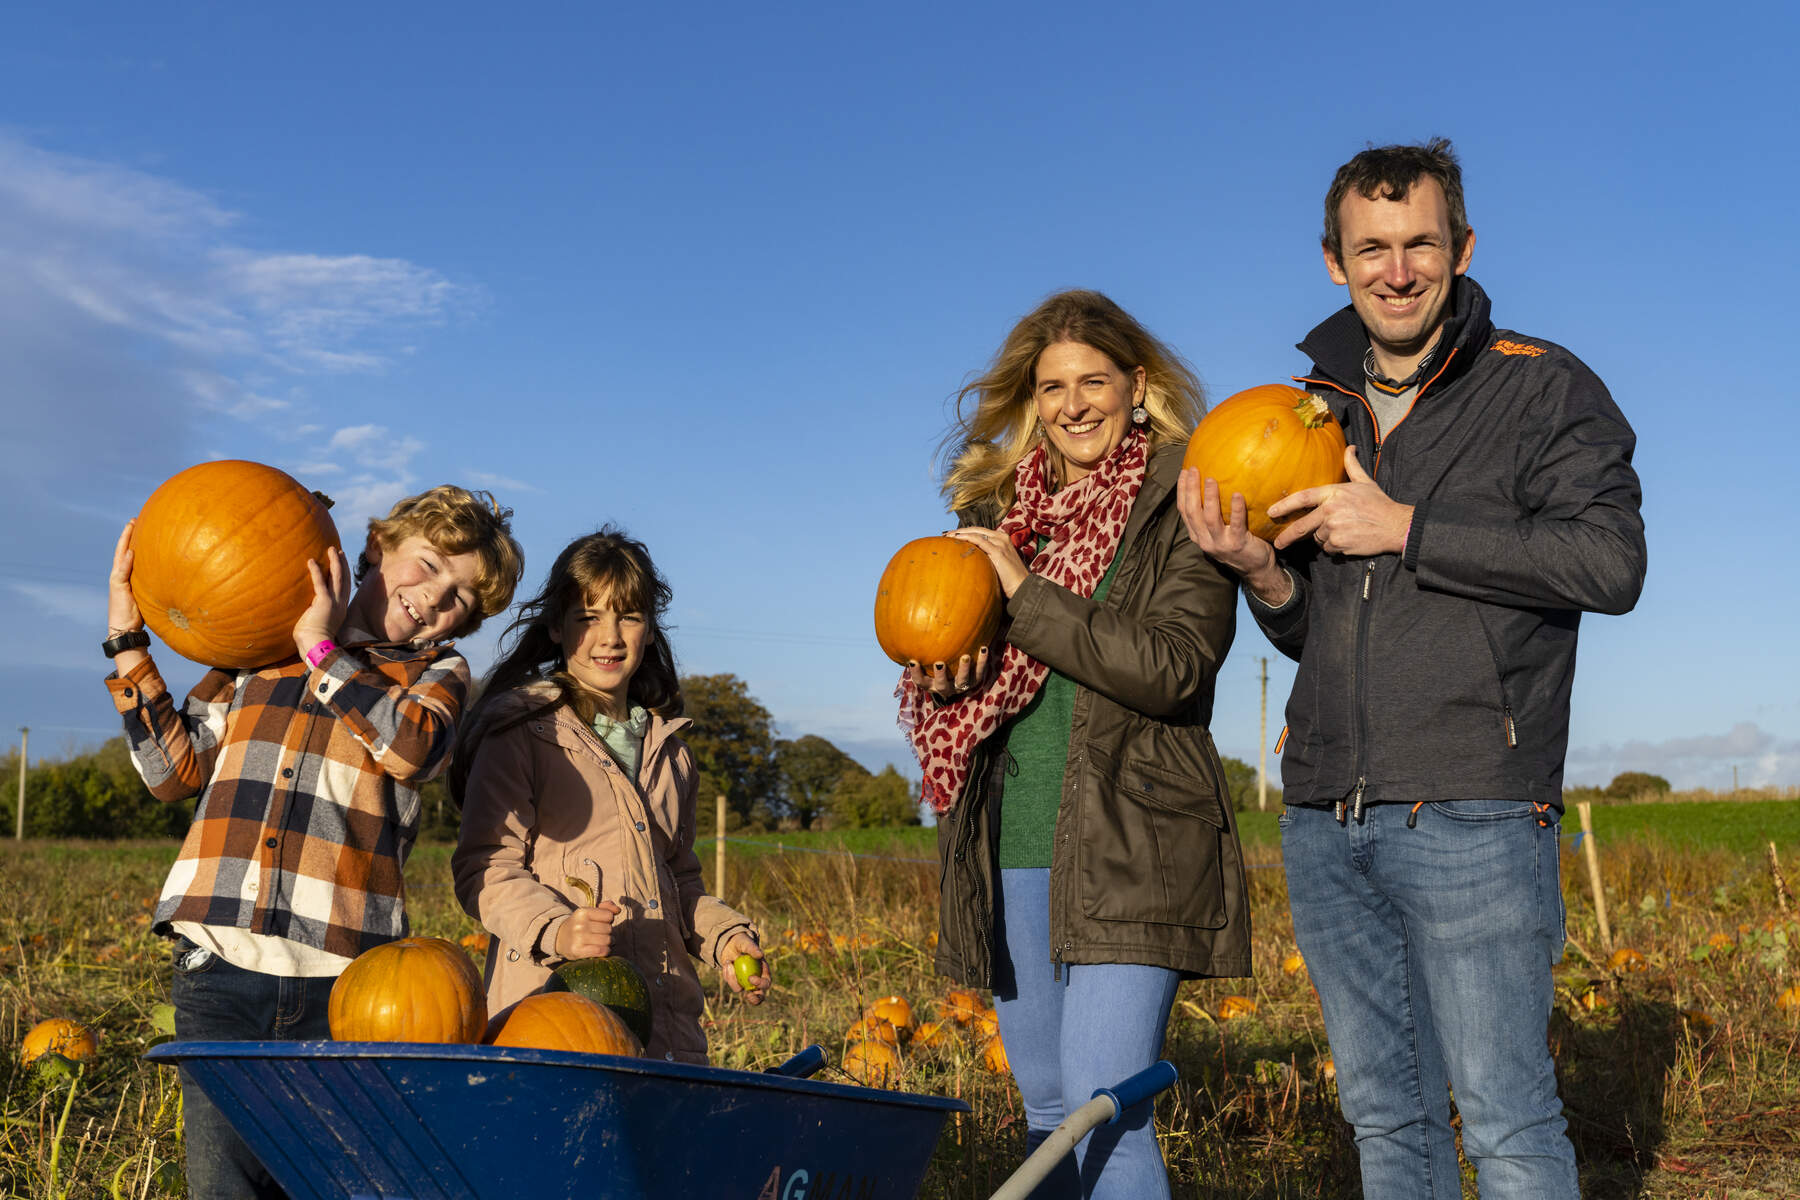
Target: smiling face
(603,649)
(1084,400)
(1399,263)
(414,592)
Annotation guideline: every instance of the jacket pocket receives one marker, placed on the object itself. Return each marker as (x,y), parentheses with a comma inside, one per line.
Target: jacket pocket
(1151,847)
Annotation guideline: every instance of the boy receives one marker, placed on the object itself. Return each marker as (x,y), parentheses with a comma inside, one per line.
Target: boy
(307,773)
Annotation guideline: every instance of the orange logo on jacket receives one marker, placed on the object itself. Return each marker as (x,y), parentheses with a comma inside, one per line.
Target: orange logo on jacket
(1506,347)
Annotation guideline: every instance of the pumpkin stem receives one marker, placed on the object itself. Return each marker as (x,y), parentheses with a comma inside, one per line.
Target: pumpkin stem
(322,498)
(1314,411)
(582,886)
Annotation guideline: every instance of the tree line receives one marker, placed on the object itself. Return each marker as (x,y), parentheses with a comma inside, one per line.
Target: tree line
(768,782)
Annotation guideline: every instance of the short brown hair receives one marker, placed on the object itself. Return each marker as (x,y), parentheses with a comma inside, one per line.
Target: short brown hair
(458,521)
(1390,172)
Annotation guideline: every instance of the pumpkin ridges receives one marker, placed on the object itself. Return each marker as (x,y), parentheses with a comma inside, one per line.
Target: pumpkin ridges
(415,989)
(1258,442)
(938,600)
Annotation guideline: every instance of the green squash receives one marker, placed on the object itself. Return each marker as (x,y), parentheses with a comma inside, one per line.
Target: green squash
(614,982)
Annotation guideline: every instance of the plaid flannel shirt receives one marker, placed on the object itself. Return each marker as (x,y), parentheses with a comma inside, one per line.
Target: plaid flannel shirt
(308,782)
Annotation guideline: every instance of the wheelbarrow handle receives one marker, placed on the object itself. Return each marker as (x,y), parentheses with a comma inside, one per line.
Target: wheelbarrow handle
(802,1065)
(1139,1088)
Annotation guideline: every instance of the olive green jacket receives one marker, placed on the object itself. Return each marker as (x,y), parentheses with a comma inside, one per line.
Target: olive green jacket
(1146,866)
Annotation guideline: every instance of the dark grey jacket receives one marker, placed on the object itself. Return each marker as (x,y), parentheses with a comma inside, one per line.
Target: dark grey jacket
(1445,673)
(1146,866)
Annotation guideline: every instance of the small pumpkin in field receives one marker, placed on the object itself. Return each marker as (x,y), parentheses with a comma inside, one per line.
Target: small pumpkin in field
(872,1064)
(1626,959)
(896,1010)
(993,1056)
(71,1039)
(873,1029)
(564,1021)
(219,556)
(987,1023)
(1267,442)
(1720,943)
(1233,1007)
(1789,1000)
(415,989)
(1593,997)
(475,943)
(962,1005)
(929,1035)
(1293,964)
(938,600)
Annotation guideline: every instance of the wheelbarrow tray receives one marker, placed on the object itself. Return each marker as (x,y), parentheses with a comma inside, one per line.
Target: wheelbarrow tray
(354,1120)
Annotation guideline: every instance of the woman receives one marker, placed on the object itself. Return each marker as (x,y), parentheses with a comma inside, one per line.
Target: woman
(1090,857)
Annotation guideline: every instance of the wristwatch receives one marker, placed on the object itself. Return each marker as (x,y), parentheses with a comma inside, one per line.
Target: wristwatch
(135,640)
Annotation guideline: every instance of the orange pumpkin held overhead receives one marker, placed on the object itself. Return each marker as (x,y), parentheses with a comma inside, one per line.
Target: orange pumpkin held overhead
(219,558)
(416,989)
(938,600)
(1267,442)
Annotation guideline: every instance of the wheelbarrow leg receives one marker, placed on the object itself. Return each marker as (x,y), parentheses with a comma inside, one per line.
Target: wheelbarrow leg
(1107,1106)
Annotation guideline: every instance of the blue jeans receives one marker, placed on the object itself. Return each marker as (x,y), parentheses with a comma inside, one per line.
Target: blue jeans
(1096,1026)
(217,1002)
(1431,949)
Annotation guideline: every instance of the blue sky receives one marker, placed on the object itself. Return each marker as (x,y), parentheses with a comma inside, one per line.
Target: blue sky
(714,273)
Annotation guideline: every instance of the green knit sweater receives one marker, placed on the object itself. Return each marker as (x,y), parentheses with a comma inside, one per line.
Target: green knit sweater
(1038,740)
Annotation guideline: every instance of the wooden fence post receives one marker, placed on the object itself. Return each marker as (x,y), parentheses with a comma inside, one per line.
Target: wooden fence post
(1585,809)
(1781,887)
(719,853)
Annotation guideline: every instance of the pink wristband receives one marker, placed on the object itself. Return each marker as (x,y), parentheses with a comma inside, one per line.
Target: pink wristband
(318,652)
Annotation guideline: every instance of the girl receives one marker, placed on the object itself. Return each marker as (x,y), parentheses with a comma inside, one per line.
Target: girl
(570,769)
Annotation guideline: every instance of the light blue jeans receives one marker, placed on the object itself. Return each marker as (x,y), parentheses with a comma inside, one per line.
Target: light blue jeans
(1096,1026)
(1431,949)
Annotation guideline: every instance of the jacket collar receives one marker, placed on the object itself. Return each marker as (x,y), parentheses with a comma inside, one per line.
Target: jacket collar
(1160,474)
(1338,343)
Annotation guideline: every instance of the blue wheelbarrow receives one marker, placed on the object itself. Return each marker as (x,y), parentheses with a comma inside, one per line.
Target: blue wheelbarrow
(404,1121)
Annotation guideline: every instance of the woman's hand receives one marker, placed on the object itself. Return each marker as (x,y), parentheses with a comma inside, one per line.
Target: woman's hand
(1225,537)
(948,680)
(741,943)
(331,601)
(587,932)
(1000,551)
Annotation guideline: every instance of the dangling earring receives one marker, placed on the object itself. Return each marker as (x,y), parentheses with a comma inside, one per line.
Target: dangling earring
(1138,415)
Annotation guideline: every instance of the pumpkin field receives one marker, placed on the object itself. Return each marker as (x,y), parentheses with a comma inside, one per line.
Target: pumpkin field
(1678,1049)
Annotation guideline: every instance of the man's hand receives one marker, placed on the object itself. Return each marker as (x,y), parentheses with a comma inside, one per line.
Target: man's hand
(587,932)
(1225,537)
(1355,518)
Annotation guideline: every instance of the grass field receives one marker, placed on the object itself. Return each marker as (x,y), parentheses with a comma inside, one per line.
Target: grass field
(1681,1079)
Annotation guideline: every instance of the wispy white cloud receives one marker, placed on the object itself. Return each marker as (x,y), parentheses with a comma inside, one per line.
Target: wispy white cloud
(64,601)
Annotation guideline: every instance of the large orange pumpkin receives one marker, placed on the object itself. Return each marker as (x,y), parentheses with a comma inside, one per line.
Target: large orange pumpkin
(219,561)
(1267,442)
(872,1064)
(564,1021)
(417,989)
(57,1035)
(938,600)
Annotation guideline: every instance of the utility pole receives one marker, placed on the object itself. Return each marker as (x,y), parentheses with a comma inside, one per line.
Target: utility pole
(1262,743)
(24,745)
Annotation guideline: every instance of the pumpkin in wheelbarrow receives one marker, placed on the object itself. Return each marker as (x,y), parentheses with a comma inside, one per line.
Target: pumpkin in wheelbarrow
(612,981)
(564,1021)
(415,989)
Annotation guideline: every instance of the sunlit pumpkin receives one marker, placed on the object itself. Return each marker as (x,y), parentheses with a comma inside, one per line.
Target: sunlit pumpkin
(1593,998)
(895,1009)
(1233,1007)
(993,1056)
(71,1039)
(962,1005)
(1267,442)
(938,600)
(873,1064)
(219,557)
(1789,999)
(475,942)
(1720,943)
(1626,959)
(416,989)
(930,1034)
(1293,964)
(564,1021)
(873,1029)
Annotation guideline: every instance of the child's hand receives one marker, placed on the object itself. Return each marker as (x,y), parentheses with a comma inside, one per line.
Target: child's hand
(331,601)
(587,933)
(122,615)
(742,943)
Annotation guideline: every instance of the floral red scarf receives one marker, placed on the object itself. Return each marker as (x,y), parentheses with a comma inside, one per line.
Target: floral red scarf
(1084,523)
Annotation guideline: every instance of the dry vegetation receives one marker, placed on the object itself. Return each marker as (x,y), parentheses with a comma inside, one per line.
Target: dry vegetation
(1681,1074)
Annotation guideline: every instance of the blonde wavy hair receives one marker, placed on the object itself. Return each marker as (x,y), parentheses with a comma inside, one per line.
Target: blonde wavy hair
(991,435)
(459,521)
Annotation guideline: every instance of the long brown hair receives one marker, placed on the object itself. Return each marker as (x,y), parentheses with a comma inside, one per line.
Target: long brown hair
(608,569)
(987,441)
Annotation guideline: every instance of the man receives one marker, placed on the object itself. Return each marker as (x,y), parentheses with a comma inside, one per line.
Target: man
(1432,601)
